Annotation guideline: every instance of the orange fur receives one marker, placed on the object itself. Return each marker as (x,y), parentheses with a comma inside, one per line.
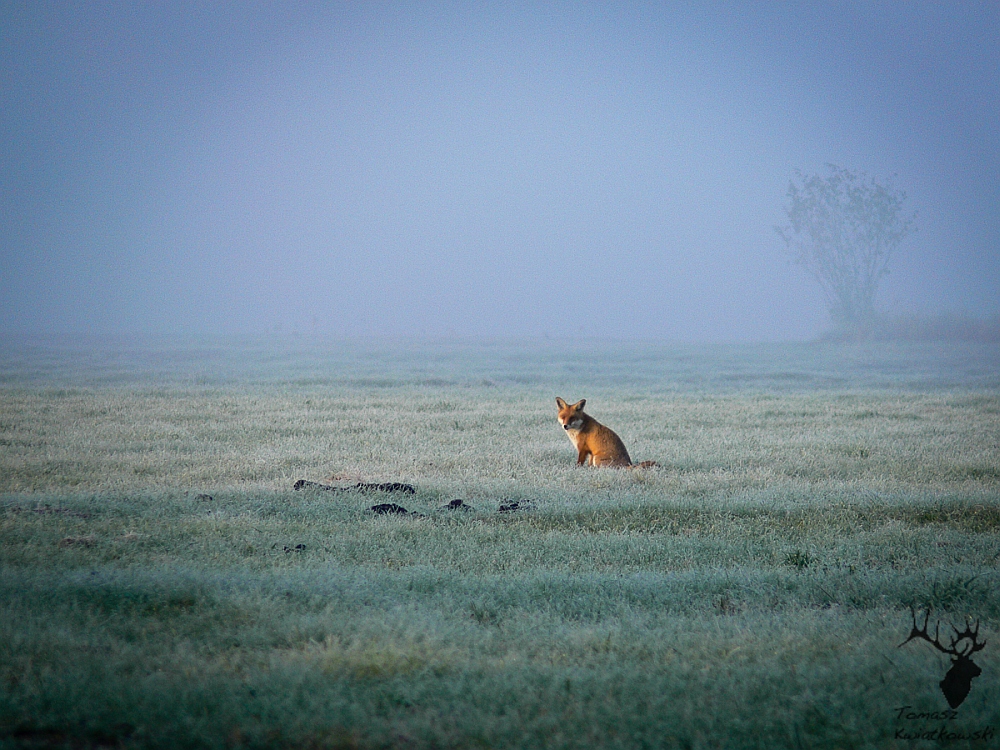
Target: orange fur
(595,443)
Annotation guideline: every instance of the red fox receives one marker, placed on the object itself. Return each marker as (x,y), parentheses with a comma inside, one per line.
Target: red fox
(593,440)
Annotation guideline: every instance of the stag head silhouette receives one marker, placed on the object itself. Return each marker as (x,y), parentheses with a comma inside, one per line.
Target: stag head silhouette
(958,682)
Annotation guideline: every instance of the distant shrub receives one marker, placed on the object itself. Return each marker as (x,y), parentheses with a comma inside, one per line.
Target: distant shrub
(943,327)
(919,328)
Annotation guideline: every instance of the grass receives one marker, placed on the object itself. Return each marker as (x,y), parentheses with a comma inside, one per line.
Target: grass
(163,586)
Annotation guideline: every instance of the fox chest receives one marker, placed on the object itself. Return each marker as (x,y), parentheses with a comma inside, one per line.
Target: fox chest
(576,437)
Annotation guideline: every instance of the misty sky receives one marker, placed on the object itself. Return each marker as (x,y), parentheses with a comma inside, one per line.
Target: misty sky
(506,169)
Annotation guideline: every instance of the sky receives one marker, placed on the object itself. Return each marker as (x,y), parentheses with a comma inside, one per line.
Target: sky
(561,170)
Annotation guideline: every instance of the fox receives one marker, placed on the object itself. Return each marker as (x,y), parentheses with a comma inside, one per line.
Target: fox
(595,443)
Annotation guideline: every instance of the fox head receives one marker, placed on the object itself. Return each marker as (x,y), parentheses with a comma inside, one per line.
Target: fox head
(571,416)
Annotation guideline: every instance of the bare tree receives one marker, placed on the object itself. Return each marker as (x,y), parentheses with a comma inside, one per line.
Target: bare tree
(843,228)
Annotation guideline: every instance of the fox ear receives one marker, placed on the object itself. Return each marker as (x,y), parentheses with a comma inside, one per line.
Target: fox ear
(560,403)
(580,404)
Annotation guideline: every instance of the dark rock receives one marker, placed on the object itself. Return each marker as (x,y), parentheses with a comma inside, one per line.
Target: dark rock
(458,505)
(511,506)
(387,508)
(407,489)
(305,483)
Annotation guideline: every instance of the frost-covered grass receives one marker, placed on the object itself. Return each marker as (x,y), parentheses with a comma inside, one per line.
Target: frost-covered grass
(161,584)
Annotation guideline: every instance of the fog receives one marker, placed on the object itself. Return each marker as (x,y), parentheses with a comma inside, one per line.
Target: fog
(464,169)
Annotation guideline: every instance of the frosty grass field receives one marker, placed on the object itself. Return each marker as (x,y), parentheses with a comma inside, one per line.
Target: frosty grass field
(162,585)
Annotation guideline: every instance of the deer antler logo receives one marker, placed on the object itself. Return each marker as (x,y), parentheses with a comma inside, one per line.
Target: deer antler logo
(958,682)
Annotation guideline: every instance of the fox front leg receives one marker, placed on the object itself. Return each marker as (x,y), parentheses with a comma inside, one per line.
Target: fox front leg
(581,459)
